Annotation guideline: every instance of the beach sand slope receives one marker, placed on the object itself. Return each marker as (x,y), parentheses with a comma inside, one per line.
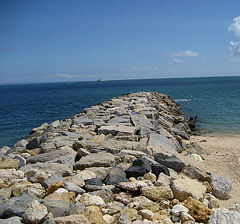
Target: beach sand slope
(222,158)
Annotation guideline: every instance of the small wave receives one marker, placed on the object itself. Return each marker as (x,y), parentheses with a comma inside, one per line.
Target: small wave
(182,100)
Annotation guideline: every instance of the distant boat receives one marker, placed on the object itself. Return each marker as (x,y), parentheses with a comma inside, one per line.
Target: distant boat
(100,80)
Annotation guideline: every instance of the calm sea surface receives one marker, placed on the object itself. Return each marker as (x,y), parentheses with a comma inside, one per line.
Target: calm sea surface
(216,102)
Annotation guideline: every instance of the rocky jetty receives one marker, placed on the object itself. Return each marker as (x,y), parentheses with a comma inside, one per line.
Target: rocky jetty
(118,162)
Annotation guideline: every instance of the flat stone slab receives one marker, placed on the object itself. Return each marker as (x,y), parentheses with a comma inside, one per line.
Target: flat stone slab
(115,129)
(184,187)
(49,167)
(101,159)
(162,142)
(141,120)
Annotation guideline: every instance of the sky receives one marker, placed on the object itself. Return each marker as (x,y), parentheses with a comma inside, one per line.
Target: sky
(84,40)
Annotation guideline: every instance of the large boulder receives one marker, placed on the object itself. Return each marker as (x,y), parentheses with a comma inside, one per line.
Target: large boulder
(198,210)
(157,193)
(100,159)
(30,188)
(115,176)
(140,120)
(221,187)
(65,156)
(159,141)
(196,173)
(59,208)
(12,220)
(183,187)
(117,146)
(226,216)
(49,167)
(16,206)
(9,163)
(117,129)
(35,212)
(139,168)
(170,161)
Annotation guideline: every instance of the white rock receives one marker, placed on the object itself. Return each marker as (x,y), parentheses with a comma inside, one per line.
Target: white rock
(186,217)
(61,190)
(108,219)
(35,212)
(225,216)
(221,187)
(88,199)
(178,209)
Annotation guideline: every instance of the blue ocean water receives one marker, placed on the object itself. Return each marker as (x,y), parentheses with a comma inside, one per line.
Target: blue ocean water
(215,100)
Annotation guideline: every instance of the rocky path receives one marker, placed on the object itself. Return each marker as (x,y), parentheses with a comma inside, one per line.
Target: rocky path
(122,161)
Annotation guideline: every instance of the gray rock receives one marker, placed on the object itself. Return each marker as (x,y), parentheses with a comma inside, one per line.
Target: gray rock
(225,216)
(64,156)
(169,161)
(39,129)
(221,187)
(22,161)
(83,120)
(48,147)
(120,120)
(34,142)
(82,152)
(94,181)
(101,172)
(181,133)
(98,122)
(52,179)
(124,218)
(117,129)
(101,159)
(157,140)
(195,173)
(18,147)
(16,206)
(12,220)
(115,176)
(142,121)
(59,208)
(62,169)
(71,187)
(55,124)
(113,146)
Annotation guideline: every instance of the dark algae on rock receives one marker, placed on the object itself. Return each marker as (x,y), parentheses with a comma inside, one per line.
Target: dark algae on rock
(118,162)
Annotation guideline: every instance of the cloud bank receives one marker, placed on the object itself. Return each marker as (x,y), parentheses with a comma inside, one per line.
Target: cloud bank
(234,47)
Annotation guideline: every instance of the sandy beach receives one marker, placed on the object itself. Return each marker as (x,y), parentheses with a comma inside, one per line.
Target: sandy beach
(222,158)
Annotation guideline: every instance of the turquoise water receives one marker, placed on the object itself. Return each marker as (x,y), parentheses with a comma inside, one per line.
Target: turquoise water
(215,100)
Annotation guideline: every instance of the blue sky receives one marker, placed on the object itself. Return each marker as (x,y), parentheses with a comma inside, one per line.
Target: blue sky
(80,40)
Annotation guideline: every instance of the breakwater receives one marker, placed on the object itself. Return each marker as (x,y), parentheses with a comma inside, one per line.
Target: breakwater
(120,161)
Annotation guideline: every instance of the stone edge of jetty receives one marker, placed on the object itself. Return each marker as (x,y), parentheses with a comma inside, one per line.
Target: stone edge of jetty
(120,161)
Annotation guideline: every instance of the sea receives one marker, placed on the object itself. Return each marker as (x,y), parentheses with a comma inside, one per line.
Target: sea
(214,100)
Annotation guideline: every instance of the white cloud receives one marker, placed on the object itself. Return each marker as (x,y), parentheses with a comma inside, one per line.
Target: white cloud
(177,60)
(140,69)
(235,27)
(187,53)
(234,48)
(66,76)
